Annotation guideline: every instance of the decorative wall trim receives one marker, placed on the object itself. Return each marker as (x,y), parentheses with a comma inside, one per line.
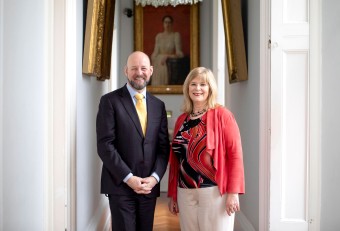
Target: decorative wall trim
(71,73)
(219,53)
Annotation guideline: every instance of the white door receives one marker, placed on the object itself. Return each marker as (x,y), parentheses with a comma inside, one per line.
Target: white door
(290,113)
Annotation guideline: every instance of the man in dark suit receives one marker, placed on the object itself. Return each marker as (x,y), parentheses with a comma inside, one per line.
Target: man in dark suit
(133,163)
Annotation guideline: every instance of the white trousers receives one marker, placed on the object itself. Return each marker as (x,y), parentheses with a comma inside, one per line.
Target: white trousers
(203,209)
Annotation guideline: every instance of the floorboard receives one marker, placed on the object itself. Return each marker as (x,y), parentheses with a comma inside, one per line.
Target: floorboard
(164,220)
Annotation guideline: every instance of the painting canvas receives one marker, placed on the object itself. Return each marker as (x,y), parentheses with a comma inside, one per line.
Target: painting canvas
(149,22)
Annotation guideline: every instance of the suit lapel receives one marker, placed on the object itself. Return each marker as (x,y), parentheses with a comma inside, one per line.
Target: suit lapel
(130,108)
(151,112)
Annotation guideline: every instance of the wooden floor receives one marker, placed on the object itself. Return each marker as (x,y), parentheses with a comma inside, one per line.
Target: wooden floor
(164,220)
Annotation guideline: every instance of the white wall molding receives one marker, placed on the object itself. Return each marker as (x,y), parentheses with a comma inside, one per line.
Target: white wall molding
(71,109)
(115,69)
(218,53)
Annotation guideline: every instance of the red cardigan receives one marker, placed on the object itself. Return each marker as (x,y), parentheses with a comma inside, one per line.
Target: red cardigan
(224,145)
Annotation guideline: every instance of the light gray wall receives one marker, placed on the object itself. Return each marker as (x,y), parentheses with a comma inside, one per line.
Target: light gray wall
(23,86)
(1,111)
(244,103)
(88,170)
(89,164)
(330,153)
(23,110)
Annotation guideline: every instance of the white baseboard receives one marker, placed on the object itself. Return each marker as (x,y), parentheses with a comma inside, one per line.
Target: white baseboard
(242,223)
(101,221)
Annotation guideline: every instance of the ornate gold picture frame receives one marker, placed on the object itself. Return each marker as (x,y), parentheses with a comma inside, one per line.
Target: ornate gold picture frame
(235,42)
(98,38)
(148,20)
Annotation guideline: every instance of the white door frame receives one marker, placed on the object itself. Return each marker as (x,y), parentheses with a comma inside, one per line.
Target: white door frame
(315,114)
(60,161)
(71,109)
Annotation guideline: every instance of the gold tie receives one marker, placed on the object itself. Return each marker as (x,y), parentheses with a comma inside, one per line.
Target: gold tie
(141,111)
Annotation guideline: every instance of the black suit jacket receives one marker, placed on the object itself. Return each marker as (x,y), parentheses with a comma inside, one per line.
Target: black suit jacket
(122,146)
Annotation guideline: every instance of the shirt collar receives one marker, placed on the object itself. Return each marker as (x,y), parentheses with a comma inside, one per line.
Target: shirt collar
(132,91)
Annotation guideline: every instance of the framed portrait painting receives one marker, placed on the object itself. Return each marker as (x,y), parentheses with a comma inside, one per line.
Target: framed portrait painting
(173,54)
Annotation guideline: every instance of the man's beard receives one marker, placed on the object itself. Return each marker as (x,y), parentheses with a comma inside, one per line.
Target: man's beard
(138,86)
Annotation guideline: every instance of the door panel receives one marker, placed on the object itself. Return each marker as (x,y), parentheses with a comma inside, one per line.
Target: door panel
(289,115)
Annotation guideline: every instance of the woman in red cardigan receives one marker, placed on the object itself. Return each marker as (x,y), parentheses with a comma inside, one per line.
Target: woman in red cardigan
(206,164)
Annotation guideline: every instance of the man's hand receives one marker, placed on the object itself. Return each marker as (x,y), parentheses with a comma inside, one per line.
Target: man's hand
(139,185)
(150,182)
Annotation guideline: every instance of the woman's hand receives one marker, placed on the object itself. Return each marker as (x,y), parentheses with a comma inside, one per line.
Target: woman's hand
(232,204)
(173,206)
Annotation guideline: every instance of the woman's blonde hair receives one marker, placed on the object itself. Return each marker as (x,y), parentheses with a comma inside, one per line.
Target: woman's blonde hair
(206,75)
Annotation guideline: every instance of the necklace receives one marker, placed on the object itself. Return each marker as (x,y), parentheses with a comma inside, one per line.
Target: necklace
(194,114)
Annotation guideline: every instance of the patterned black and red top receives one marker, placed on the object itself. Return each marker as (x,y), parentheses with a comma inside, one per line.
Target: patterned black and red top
(189,146)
